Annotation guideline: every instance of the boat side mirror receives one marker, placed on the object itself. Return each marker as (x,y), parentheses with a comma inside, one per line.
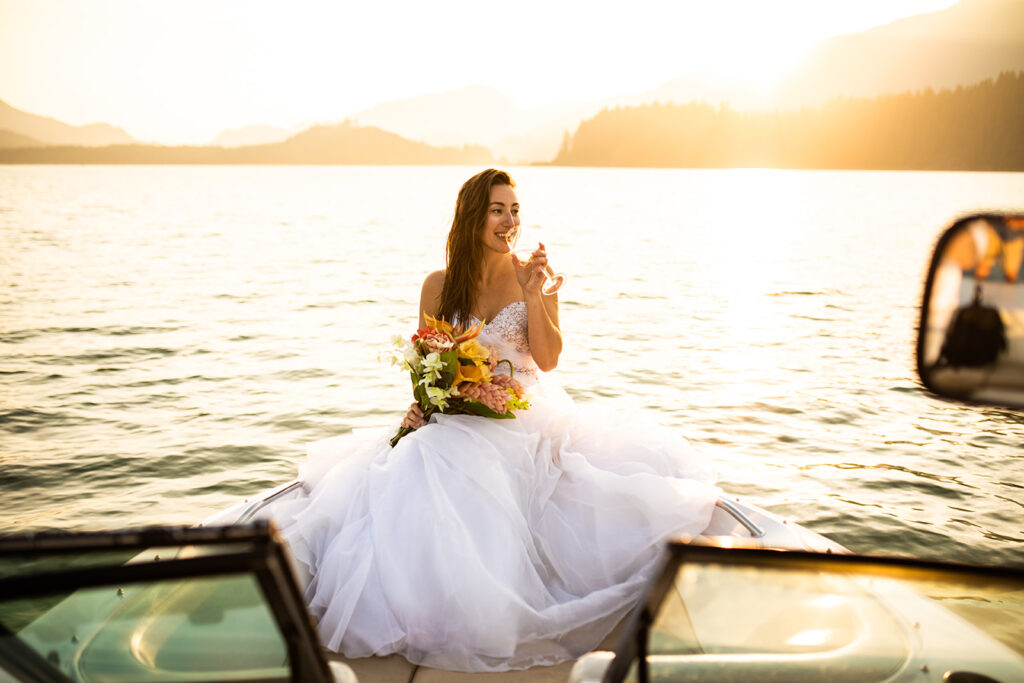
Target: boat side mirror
(970,344)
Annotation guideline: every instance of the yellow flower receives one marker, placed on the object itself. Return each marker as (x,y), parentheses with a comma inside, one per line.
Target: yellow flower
(471,373)
(474,351)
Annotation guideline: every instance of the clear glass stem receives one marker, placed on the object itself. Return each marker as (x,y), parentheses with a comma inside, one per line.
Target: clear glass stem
(553,280)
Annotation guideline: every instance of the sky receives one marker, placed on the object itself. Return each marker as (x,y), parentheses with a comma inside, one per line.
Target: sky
(182,71)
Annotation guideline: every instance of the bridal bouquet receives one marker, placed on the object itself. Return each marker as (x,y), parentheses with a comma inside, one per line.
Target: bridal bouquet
(453,374)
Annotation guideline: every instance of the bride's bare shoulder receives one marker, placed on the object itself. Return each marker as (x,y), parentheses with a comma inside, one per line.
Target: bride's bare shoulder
(433,284)
(430,296)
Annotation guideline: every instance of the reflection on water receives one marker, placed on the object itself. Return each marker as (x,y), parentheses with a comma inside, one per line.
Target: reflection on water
(171,337)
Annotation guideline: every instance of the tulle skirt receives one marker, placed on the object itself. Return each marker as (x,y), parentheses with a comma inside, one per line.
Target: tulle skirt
(486,545)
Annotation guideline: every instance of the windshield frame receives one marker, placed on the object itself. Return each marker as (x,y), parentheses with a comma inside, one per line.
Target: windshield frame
(254,549)
(633,642)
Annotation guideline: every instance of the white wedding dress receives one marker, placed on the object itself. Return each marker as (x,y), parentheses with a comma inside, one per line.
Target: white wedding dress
(486,545)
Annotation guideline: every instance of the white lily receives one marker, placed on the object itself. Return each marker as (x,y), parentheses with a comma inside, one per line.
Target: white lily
(430,367)
(438,396)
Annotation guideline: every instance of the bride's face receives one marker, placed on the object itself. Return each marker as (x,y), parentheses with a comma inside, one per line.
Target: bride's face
(502,218)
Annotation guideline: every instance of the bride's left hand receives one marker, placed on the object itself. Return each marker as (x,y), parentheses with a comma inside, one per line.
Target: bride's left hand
(530,274)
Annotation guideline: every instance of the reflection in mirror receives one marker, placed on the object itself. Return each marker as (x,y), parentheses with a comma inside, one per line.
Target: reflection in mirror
(971,339)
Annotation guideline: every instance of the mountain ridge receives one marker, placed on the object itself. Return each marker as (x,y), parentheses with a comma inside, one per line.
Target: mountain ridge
(960,45)
(51,131)
(340,144)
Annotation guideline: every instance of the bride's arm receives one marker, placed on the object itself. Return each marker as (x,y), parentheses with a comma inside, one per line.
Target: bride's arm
(542,311)
(545,337)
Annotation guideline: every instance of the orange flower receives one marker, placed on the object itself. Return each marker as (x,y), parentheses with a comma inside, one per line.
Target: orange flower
(471,333)
(473,374)
(422,333)
(456,335)
(440,325)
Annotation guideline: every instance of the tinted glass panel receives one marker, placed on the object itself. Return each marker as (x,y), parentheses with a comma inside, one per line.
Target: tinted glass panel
(208,629)
(738,622)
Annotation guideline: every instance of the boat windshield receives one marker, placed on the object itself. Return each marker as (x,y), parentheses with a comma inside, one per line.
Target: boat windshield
(740,615)
(160,605)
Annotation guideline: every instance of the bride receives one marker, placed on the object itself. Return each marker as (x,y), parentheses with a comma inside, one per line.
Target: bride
(486,545)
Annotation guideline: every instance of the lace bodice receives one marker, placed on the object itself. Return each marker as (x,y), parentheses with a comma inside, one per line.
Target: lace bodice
(508,332)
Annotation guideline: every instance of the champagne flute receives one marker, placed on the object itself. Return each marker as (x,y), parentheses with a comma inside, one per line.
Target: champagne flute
(525,253)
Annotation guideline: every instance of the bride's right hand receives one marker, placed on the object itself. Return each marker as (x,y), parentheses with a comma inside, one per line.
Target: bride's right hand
(530,273)
(414,418)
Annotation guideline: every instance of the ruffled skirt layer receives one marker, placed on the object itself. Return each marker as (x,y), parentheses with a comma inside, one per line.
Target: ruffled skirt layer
(485,545)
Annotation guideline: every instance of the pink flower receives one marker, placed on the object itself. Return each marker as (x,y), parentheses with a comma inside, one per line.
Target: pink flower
(488,393)
(508,382)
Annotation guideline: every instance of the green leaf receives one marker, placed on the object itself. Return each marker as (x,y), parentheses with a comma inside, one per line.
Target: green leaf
(451,366)
(419,392)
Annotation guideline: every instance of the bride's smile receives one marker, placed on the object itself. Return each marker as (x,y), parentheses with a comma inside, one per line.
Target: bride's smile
(502,218)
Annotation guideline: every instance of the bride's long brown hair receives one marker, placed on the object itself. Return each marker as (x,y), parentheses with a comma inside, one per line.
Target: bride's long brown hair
(464,250)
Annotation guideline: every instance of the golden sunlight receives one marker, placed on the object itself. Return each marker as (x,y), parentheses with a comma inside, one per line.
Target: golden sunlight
(181,72)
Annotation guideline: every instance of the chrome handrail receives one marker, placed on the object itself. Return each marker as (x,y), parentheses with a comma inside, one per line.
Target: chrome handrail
(258,505)
(739,516)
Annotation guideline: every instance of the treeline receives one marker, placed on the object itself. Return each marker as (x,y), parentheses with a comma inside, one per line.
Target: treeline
(338,144)
(974,128)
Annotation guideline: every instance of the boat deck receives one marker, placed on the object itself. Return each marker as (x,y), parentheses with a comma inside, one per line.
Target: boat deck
(733,522)
(396,669)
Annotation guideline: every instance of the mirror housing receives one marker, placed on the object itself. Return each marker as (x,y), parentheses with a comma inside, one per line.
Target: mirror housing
(970,343)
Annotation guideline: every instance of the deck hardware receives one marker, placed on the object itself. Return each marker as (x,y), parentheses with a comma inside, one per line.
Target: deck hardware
(74,638)
(258,505)
(737,514)
(120,592)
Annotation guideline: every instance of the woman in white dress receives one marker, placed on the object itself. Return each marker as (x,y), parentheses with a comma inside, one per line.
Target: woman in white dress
(486,545)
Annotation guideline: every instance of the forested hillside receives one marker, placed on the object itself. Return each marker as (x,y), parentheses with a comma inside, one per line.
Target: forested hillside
(977,128)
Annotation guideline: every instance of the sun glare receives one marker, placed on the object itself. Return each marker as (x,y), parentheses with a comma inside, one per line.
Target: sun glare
(179,72)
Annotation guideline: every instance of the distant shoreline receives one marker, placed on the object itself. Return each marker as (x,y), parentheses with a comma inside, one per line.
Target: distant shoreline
(973,128)
(511,165)
(970,129)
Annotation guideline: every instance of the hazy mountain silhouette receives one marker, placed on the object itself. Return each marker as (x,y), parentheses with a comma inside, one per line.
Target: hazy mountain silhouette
(477,114)
(9,139)
(338,144)
(251,135)
(965,43)
(346,143)
(53,132)
(480,115)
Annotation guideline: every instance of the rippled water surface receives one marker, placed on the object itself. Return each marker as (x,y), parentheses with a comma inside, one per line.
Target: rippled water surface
(171,337)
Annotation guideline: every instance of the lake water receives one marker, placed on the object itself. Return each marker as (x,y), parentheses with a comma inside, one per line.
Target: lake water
(171,337)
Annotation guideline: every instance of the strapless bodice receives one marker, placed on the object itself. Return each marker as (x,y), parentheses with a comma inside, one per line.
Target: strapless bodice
(508,332)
